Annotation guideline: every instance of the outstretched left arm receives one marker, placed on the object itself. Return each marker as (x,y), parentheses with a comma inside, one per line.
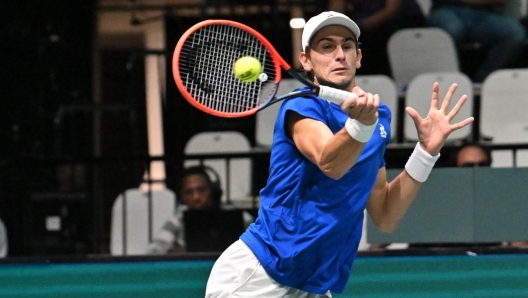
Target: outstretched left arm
(388,202)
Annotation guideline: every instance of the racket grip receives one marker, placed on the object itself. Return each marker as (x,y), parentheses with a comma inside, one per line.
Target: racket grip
(333,94)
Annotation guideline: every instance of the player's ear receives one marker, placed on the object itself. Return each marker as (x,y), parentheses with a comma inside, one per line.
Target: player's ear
(305,61)
(358,58)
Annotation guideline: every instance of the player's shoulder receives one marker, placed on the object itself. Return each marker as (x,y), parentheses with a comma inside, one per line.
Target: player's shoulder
(302,101)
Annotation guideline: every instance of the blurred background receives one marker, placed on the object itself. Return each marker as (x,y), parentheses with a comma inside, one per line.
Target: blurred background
(89,110)
(80,80)
(94,137)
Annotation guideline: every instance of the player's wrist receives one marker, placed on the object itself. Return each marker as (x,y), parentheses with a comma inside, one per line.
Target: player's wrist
(420,164)
(359,131)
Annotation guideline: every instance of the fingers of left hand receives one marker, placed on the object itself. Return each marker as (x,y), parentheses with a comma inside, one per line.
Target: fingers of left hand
(457,107)
(462,123)
(447,98)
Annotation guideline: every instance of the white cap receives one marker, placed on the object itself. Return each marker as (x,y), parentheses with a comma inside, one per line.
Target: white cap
(324,19)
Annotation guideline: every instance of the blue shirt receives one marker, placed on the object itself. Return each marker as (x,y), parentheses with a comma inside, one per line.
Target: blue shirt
(309,226)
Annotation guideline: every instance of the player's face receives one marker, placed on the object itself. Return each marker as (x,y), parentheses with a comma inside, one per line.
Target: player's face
(333,57)
(196,192)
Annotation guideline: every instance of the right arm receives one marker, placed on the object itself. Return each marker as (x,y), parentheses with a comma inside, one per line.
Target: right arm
(333,154)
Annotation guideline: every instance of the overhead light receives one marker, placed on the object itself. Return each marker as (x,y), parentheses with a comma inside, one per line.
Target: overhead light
(297,23)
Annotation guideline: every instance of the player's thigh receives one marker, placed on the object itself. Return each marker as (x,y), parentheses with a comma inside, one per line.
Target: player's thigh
(261,285)
(232,269)
(238,273)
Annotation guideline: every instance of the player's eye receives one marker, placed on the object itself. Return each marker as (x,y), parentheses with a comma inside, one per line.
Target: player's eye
(348,46)
(326,46)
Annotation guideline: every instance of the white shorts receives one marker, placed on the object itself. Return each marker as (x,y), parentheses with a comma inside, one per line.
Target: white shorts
(238,273)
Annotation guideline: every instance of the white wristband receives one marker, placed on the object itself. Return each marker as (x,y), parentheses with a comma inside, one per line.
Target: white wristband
(420,164)
(360,131)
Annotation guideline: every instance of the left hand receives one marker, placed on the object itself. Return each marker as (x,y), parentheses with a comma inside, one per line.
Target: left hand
(436,127)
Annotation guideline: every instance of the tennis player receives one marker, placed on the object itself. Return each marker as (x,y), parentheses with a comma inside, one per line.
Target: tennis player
(327,166)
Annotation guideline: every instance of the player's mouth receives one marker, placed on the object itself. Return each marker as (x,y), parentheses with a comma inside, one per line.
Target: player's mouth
(340,70)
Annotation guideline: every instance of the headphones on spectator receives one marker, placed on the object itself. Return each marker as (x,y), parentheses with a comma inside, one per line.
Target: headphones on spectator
(212,177)
(216,185)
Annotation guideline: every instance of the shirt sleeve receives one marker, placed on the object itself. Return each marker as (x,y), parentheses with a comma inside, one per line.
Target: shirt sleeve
(309,107)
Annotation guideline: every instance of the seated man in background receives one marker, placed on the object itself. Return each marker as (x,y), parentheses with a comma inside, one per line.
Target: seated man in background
(481,21)
(195,191)
(473,155)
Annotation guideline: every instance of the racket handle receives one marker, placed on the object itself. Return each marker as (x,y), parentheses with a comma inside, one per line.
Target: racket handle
(333,94)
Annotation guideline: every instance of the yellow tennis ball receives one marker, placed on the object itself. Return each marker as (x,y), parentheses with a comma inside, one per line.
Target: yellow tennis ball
(247,69)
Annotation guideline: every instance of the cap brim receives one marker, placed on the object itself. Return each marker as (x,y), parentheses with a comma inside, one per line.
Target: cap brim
(347,23)
(334,20)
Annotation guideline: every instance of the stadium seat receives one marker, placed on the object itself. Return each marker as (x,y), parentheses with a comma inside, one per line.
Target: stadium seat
(133,238)
(504,103)
(414,51)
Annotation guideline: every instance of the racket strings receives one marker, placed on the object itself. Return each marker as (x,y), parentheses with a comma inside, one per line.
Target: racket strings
(206,68)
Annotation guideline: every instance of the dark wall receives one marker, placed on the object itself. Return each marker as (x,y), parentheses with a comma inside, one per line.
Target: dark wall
(122,133)
(46,64)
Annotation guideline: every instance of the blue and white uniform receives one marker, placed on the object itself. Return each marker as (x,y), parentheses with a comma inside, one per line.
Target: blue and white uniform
(309,226)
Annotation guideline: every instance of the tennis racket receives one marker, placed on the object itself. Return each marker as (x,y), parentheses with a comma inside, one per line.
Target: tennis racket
(202,66)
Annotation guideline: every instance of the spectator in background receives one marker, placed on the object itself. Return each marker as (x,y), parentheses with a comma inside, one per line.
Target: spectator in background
(481,21)
(473,155)
(378,20)
(195,191)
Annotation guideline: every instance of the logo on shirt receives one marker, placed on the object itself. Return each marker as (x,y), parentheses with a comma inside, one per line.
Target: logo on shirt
(383,133)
